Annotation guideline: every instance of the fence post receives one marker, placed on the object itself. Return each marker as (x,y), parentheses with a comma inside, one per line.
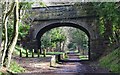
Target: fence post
(38,52)
(32,52)
(44,52)
(26,52)
(20,52)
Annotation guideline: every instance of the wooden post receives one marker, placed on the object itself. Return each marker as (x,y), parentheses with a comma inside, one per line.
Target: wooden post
(32,52)
(63,55)
(44,52)
(26,52)
(38,52)
(21,52)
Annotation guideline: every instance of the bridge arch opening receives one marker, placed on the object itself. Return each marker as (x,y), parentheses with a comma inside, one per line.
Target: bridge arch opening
(55,25)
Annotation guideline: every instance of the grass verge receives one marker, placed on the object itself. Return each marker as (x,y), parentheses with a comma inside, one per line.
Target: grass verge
(111,61)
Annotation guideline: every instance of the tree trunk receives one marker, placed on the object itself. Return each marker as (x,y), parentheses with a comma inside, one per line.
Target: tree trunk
(60,47)
(63,47)
(15,33)
(78,49)
(5,20)
(0,24)
(56,47)
(6,41)
(0,33)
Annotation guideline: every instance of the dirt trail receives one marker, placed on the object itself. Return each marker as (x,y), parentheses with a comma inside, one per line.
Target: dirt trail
(42,65)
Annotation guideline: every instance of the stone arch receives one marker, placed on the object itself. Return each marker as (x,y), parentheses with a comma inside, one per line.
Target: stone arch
(74,23)
(54,25)
(89,26)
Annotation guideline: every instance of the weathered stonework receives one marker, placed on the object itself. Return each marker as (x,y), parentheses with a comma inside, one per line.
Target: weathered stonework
(88,24)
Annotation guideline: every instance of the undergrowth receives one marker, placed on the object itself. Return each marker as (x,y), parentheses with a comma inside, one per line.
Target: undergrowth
(16,68)
(111,61)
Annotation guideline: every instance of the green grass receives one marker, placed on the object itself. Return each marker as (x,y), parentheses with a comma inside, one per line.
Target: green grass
(71,50)
(83,57)
(17,52)
(16,68)
(111,61)
(0,73)
(54,53)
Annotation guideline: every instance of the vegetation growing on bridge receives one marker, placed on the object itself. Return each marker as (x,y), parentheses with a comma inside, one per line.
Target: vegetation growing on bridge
(108,28)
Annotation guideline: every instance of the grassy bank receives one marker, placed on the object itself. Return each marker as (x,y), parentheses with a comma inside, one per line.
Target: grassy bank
(14,68)
(111,61)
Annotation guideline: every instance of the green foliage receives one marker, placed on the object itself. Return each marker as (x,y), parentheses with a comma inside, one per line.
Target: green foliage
(101,26)
(83,57)
(52,37)
(10,30)
(78,37)
(71,46)
(45,40)
(17,50)
(57,35)
(25,5)
(108,12)
(111,61)
(54,53)
(23,30)
(0,73)
(23,50)
(42,4)
(14,67)
(23,27)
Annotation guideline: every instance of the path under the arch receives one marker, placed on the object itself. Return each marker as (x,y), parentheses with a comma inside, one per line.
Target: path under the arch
(41,65)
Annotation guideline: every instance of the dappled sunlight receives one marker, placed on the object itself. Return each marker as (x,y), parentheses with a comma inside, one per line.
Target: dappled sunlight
(56,38)
(69,42)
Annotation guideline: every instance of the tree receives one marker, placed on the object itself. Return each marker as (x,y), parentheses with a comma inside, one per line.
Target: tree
(58,37)
(45,40)
(109,21)
(5,21)
(0,23)
(53,39)
(12,40)
(71,46)
(15,33)
(0,31)
(10,23)
(78,38)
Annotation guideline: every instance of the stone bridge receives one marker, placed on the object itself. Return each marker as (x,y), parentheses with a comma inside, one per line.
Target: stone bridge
(46,18)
